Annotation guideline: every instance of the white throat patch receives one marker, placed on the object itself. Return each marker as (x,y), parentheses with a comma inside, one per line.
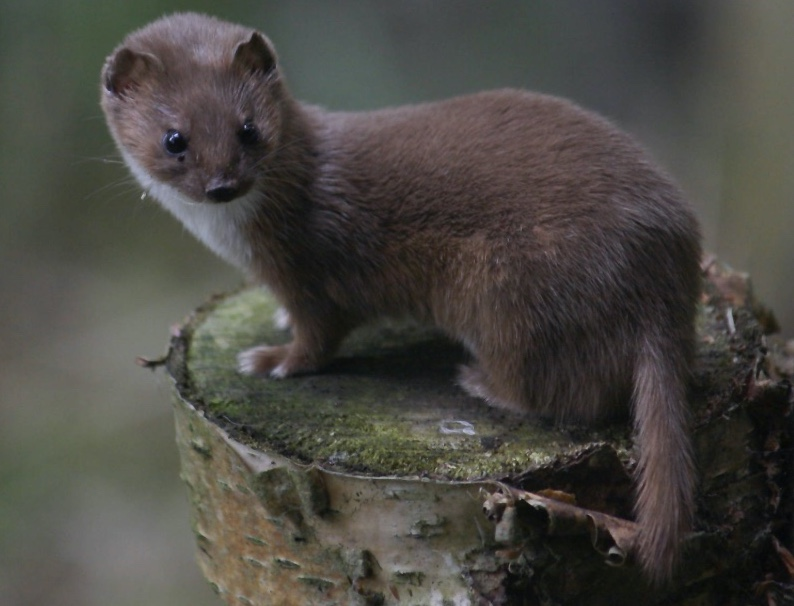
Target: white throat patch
(219,226)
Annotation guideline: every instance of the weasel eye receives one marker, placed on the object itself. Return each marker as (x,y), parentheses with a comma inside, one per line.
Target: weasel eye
(248,133)
(175,143)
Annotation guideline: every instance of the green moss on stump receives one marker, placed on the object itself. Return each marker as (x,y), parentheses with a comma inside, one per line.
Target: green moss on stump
(387,406)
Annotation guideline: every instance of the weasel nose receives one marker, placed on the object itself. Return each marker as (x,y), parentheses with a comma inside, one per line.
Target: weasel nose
(222,193)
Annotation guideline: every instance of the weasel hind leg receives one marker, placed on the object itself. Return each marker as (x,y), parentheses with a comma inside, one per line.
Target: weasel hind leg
(475,381)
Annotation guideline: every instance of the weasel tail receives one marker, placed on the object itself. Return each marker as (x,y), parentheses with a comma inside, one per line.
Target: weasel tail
(665,474)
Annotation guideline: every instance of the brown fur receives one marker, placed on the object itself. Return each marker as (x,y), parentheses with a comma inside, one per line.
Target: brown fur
(531,230)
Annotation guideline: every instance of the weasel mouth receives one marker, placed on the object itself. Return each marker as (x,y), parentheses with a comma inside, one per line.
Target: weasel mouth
(226,190)
(223,193)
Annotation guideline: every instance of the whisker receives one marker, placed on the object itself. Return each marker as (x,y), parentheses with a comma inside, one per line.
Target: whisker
(97,160)
(117,189)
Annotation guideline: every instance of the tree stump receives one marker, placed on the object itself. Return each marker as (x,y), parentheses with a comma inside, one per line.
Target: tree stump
(378,481)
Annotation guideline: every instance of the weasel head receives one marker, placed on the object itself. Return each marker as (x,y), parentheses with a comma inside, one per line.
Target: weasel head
(194,105)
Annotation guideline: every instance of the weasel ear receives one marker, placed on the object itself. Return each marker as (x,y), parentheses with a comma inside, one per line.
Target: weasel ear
(126,69)
(256,55)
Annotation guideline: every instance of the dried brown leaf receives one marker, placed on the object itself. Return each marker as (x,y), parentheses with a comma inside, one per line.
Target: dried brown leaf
(785,556)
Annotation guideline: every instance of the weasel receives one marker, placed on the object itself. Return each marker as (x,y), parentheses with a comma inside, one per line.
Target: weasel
(532,231)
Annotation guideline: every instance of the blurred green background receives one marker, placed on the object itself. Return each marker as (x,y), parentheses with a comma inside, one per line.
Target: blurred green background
(92,511)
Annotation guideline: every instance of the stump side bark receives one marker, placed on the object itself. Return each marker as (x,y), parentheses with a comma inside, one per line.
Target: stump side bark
(273,532)
(378,481)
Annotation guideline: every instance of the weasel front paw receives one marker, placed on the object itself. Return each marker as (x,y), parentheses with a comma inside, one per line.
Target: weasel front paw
(267,360)
(276,361)
(281,319)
